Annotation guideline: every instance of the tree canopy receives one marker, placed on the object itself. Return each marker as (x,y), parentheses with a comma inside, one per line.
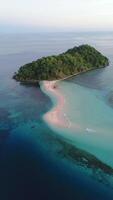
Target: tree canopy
(75,60)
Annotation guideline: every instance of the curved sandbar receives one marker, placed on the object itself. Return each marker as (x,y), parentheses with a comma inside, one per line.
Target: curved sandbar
(56,116)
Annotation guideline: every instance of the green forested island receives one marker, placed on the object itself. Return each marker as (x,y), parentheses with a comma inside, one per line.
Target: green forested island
(74,61)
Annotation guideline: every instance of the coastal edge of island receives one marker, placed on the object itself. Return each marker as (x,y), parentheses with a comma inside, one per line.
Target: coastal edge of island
(56,117)
(48,71)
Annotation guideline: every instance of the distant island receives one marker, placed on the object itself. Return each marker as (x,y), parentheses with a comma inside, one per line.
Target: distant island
(74,61)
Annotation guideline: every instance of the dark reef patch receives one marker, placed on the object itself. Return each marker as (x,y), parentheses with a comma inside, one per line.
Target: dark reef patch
(84,158)
(99,170)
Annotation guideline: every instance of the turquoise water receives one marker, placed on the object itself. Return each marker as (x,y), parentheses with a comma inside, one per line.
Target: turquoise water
(36,160)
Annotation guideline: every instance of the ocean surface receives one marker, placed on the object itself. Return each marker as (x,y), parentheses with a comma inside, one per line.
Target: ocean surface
(37,160)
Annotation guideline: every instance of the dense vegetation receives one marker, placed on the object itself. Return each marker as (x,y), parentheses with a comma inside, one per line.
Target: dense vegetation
(76,60)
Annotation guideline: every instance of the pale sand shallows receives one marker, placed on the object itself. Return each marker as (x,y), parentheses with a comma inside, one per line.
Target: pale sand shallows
(56,116)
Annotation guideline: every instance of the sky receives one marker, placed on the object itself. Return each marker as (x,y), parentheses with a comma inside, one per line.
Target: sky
(56,15)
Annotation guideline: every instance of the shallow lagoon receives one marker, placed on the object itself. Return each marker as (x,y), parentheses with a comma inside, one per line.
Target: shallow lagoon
(35,161)
(92,117)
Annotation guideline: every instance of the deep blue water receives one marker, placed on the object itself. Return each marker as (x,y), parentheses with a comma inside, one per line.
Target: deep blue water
(30,164)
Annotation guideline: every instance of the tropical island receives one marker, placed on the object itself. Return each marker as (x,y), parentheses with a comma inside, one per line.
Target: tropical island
(74,61)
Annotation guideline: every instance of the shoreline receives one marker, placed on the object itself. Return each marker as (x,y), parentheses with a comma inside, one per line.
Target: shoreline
(33,81)
(55,116)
